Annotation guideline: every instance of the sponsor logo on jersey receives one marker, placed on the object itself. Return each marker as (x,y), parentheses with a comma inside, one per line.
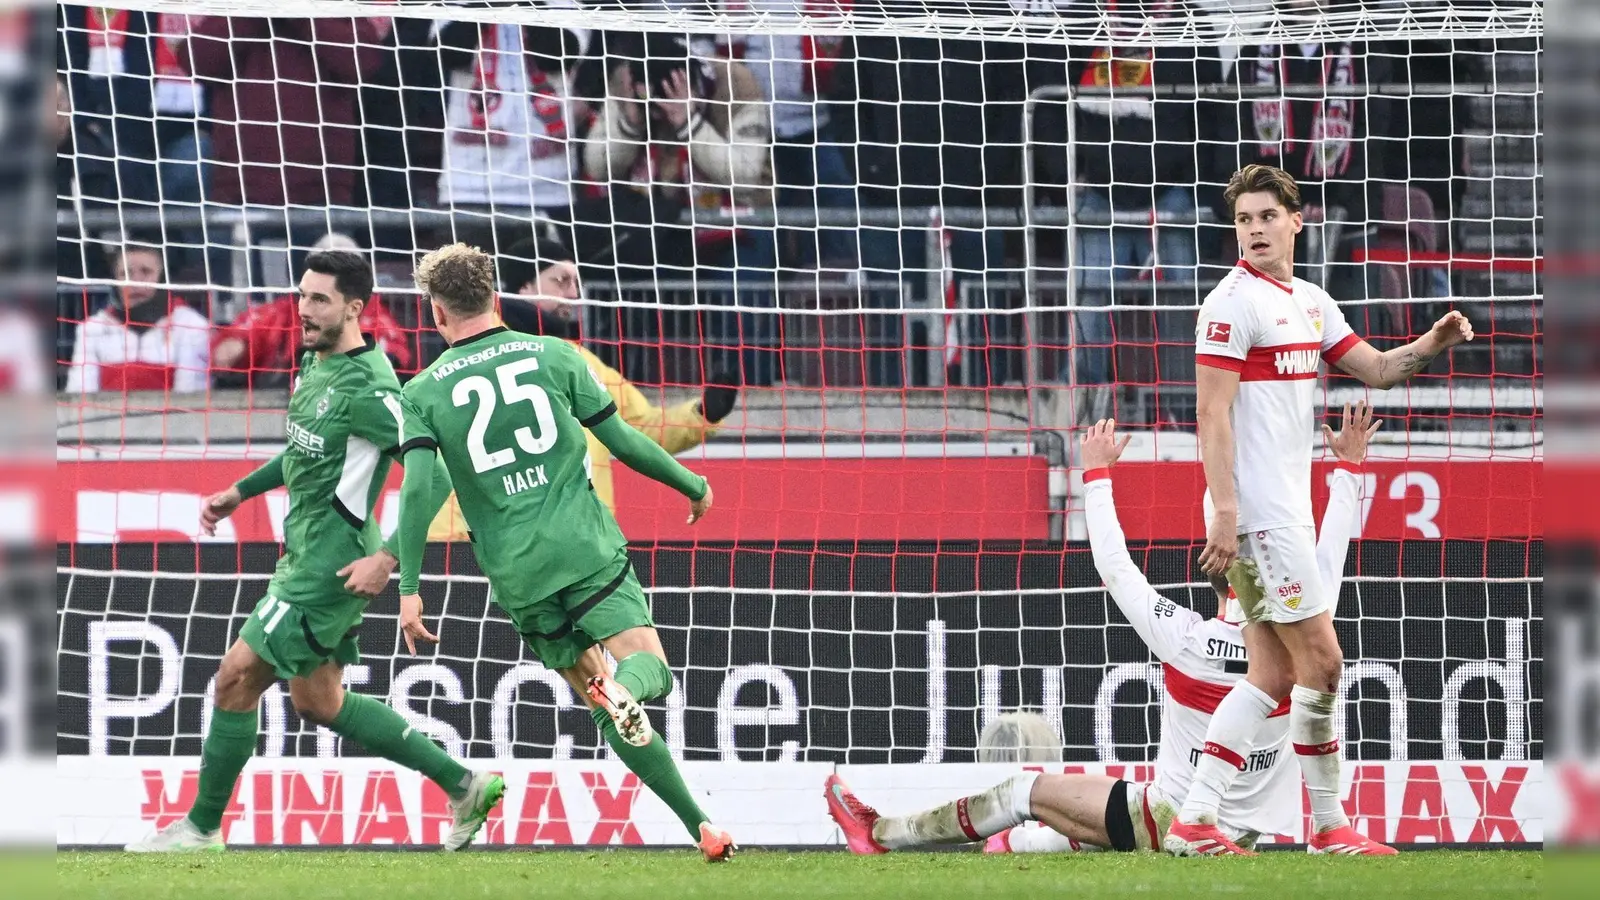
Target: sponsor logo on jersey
(308,442)
(1218,332)
(1296,362)
(1283,321)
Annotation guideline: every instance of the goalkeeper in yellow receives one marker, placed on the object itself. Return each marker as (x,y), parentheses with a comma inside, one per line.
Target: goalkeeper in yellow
(544,270)
(511,415)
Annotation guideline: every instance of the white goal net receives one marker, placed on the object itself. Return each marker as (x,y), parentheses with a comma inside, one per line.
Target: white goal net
(899,252)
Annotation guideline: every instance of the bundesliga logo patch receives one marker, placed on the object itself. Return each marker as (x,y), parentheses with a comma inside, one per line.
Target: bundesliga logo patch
(1218,332)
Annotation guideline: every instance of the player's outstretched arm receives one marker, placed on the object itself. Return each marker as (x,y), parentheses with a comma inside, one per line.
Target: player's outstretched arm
(647,458)
(1391,367)
(222,504)
(1341,519)
(1161,624)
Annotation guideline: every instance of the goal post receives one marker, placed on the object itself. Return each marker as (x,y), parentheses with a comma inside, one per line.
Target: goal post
(924,242)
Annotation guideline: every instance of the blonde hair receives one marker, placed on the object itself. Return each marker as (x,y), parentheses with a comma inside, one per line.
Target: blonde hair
(1260,178)
(460,277)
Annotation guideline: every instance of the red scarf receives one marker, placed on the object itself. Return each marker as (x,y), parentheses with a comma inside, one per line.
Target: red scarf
(544,102)
(1332,130)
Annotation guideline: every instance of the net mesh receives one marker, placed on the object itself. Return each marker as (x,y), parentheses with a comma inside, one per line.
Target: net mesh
(905,249)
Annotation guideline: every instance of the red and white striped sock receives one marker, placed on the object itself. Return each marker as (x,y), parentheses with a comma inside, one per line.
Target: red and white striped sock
(1228,737)
(968,819)
(1317,748)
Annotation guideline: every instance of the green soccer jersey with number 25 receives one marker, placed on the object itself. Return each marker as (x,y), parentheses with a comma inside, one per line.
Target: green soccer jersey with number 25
(507,411)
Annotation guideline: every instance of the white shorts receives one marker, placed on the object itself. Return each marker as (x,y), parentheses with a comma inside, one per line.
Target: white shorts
(1277,578)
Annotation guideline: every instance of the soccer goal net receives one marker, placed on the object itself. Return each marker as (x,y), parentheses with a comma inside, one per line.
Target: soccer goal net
(869,266)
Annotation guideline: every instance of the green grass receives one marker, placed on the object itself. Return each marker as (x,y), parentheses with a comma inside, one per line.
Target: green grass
(771,875)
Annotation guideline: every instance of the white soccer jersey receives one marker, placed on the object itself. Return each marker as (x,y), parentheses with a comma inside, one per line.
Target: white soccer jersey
(1275,336)
(1202,659)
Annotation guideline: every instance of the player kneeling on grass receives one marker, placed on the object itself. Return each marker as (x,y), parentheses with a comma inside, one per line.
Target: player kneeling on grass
(1201,659)
(507,413)
(343,426)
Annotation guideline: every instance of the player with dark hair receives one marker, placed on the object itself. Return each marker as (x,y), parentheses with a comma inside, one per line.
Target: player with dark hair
(507,413)
(1201,659)
(344,428)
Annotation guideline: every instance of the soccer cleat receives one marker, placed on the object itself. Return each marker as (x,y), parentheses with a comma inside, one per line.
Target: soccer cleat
(472,810)
(179,837)
(716,844)
(1200,840)
(1346,841)
(632,724)
(998,843)
(853,817)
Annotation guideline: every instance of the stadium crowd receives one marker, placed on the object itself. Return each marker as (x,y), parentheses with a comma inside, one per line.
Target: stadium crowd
(636,154)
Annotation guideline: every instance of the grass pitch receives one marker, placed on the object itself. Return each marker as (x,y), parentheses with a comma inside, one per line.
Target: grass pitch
(770,875)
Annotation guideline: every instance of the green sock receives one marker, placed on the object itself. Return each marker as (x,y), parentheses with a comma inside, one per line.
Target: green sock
(645,676)
(654,765)
(375,726)
(229,744)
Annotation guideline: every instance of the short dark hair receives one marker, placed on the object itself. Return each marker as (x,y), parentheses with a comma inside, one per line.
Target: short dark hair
(1261,178)
(352,274)
(120,251)
(523,261)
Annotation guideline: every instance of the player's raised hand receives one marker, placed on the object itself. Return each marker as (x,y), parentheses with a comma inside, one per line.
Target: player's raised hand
(1100,446)
(1453,328)
(698,508)
(1355,433)
(411,622)
(217,507)
(369,574)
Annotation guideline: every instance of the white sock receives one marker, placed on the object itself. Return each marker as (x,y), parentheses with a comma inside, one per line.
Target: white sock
(1311,732)
(968,819)
(1228,738)
(1034,837)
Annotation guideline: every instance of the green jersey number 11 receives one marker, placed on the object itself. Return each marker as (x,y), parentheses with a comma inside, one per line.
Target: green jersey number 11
(510,391)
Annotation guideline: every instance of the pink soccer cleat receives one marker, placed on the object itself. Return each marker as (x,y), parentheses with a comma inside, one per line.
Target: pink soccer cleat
(715,844)
(1200,840)
(998,843)
(1346,841)
(853,817)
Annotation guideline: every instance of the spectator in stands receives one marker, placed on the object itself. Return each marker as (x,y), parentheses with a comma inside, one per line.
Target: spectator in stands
(86,178)
(796,73)
(147,339)
(262,348)
(1319,136)
(685,131)
(510,119)
(283,94)
(544,274)
(1141,155)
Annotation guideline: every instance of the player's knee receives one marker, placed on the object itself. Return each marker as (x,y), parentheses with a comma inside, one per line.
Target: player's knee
(1321,668)
(316,710)
(236,689)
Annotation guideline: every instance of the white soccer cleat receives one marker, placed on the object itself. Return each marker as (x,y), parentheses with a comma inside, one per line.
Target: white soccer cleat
(472,810)
(626,713)
(179,837)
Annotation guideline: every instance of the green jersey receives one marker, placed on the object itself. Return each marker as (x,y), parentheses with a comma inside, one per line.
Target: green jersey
(343,428)
(507,412)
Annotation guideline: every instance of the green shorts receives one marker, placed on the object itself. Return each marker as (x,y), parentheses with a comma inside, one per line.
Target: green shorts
(296,638)
(560,627)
